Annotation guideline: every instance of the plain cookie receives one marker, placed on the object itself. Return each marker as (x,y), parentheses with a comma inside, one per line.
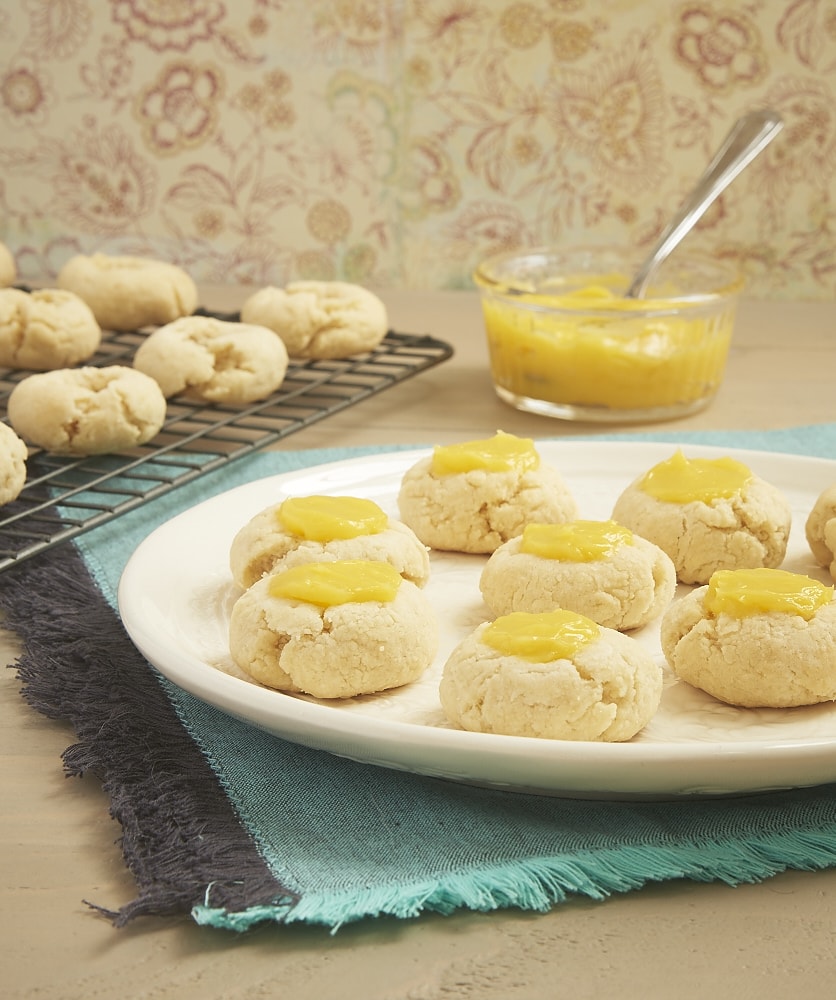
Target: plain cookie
(770,659)
(320,319)
(607,691)
(8,268)
(213,360)
(820,530)
(265,544)
(625,588)
(13,453)
(746,530)
(87,411)
(45,329)
(126,293)
(337,651)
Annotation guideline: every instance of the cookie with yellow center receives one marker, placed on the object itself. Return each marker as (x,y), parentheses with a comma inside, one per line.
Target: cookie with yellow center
(756,638)
(707,514)
(333,630)
(472,497)
(556,675)
(316,528)
(597,568)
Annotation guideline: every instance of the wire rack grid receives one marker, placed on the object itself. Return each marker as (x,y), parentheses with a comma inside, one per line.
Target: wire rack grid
(66,496)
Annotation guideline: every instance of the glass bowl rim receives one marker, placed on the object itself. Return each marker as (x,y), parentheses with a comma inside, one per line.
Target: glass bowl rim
(725,290)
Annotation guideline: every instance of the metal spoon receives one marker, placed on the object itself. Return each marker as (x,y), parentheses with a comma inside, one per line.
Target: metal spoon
(751,133)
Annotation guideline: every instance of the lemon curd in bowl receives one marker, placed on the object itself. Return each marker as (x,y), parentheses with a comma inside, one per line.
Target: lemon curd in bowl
(564,341)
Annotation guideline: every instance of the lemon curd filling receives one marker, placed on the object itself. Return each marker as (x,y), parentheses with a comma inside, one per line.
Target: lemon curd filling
(575,541)
(684,480)
(501,453)
(541,638)
(594,347)
(742,592)
(326,518)
(347,581)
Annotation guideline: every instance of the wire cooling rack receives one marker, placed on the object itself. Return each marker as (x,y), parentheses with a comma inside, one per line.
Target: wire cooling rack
(64,497)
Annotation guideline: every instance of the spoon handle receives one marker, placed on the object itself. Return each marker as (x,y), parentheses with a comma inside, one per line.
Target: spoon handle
(750,134)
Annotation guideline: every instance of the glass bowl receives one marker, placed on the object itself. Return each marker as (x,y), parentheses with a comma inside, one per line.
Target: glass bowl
(564,342)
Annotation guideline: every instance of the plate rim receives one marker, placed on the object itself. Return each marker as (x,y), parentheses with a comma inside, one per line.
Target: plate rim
(222,690)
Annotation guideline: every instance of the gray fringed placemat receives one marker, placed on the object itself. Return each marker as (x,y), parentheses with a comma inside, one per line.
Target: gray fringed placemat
(234,826)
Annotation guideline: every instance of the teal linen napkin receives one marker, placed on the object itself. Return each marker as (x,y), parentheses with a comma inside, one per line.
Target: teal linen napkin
(326,840)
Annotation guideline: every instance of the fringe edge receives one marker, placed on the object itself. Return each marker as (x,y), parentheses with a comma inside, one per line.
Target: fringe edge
(186,846)
(539,884)
(180,834)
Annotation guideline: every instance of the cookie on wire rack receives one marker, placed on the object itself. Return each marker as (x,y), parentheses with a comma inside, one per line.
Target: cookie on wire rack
(88,410)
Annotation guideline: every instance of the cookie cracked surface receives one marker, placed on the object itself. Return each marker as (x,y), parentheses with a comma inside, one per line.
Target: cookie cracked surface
(209,359)
(320,319)
(332,652)
(820,530)
(127,293)
(46,329)
(263,545)
(625,590)
(88,410)
(766,660)
(607,692)
(476,511)
(750,529)
(13,454)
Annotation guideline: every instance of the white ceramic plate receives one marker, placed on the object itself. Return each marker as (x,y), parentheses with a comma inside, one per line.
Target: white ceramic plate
(176,593)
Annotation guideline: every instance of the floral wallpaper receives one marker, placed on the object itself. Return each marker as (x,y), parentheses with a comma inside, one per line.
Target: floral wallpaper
(396,142)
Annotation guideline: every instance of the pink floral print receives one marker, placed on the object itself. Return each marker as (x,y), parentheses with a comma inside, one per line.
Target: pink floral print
(179,109)
(722,47)
(168,24)
(399,143)
(25,94)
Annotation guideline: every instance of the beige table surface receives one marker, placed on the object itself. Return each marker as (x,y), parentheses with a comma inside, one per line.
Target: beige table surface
(680,940)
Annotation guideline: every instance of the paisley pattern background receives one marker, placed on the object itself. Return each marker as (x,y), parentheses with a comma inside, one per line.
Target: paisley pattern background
(396,142)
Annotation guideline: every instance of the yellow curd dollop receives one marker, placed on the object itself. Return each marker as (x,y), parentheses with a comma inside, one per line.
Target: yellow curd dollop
(501,453)
(347,581)
(593,347)
(326,518)
(683,480)
(541,638)
(742,592)
(575,541)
